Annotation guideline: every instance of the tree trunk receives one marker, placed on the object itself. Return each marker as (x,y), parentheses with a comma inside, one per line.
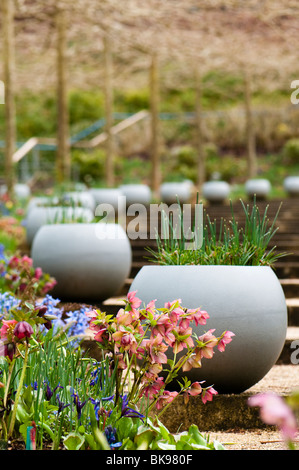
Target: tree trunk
(154,107)
(250,131)
(63,163)
(9,64)
(201,171)
(108,111)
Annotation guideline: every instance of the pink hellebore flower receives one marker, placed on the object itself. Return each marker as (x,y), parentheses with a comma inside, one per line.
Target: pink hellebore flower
(92,314)
(166,398)
(150,308)
(101,334)
(275,411)
(14,262)
(209,342)
(7,328)
(227,337)
(49,286)
(157,349)
(182,339)
(207,394)
(195,389)
(23,330)
(27,261)
(163,327)
(8,350)
(152,389)
(125,340)
(199,316)
(153,371)
(38,273)
(133,300)
(193,361)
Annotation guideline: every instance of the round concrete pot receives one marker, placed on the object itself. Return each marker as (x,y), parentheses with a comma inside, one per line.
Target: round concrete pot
(21,190)
(136,194)
(174,192)
(39,216)
(248,301)
(90,262)
(291,185)
(259,188)
(41,201)
(107,196)
(216,191)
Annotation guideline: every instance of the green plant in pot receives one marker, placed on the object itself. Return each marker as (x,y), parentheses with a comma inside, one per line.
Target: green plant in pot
(229,275)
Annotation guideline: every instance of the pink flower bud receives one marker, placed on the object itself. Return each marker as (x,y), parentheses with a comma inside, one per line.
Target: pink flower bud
(23,330)
(38,273)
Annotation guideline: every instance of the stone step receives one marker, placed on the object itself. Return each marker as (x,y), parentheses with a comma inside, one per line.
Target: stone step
(290,287)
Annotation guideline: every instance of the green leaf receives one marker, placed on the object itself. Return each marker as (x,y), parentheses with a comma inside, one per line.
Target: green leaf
(166,446)
(126,428)
(193,433)
(144,439)
(92,444)
(74,441)
(218,446)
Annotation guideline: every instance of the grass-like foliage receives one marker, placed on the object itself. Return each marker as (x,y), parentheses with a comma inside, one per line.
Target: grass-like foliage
(223,243)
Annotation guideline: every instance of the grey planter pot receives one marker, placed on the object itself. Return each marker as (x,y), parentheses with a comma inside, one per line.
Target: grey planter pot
(40,201)
(173,192)
(90,262)
(216,191)
(248,301)
(258,187)
(39,216)
(81,198)
(291,185)
(21,190)
(136,194)
(107,196)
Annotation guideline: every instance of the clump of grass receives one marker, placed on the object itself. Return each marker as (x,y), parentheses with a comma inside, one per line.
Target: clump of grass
(222,243)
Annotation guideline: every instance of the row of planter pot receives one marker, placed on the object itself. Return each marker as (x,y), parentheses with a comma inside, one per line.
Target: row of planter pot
(212,191)
(219,191)
(92,261)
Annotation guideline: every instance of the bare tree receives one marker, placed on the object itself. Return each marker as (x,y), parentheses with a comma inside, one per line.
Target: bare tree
(108,91)
(63,161)
(9,71)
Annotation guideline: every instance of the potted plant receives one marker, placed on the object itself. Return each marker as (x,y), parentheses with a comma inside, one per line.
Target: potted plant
(43,215)
(215,191)
(258,188)
(291,185)
(90,261)
(230,275)
(170,192)
(136,193)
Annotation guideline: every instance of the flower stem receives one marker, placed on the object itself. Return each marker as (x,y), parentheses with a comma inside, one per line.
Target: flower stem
(15,407)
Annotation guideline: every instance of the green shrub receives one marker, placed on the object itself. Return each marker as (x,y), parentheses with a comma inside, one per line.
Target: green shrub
(85,106)
(90,166)
(291,151)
